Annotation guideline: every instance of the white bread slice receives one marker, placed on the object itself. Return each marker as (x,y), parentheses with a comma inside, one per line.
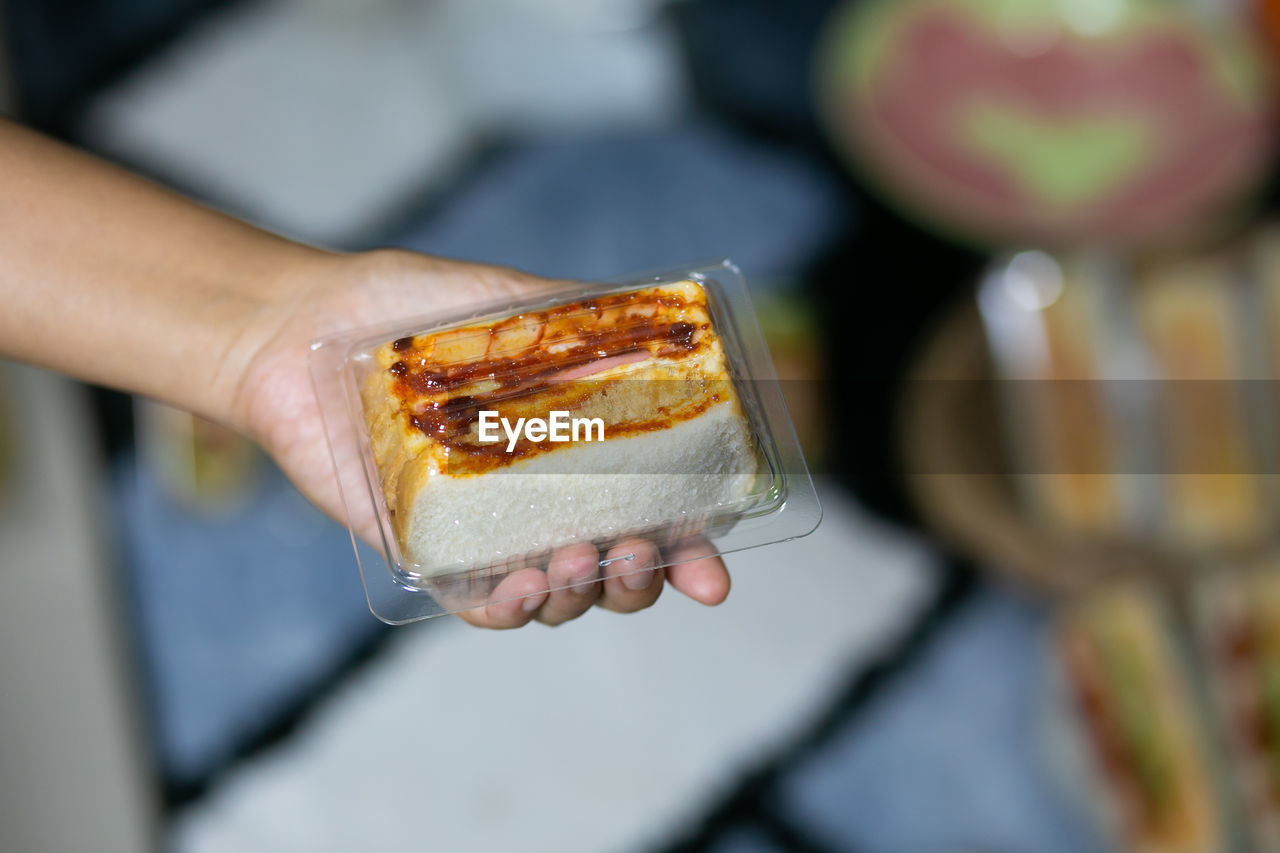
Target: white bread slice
(536,504)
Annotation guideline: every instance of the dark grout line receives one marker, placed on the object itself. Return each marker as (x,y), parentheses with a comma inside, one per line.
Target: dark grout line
(783,832)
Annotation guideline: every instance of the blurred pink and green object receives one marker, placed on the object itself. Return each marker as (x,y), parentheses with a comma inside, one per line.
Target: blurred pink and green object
(1116,123)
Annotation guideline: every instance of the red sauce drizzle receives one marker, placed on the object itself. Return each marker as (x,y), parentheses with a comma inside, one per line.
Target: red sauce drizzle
(424,387)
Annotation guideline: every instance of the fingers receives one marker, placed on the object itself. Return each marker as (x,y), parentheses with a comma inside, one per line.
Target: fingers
(571,576)
(698,572)
(631,583)
(508,607)
(571,585)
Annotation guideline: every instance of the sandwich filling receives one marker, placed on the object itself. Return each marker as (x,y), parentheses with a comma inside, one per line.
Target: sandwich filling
(641,361)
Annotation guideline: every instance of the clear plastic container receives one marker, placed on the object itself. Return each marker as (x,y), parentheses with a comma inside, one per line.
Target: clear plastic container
(471,446)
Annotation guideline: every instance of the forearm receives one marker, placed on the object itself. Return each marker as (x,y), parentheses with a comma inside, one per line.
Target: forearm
(110,278)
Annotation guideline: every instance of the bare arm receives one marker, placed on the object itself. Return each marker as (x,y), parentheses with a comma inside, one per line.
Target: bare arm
(111,278)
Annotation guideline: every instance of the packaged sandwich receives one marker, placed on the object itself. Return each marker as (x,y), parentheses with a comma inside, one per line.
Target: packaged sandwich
(1237,616)
(598,414)
(1051,325)
(1129,728)
(1192,318)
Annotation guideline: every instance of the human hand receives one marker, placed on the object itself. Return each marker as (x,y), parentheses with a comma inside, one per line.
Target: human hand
(117,281)
(269,397)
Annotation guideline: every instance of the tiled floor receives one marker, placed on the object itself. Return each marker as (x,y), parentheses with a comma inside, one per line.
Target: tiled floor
(609,734)
(608,204)
(240,613)
(950,757)
(316,119)
(68,712)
